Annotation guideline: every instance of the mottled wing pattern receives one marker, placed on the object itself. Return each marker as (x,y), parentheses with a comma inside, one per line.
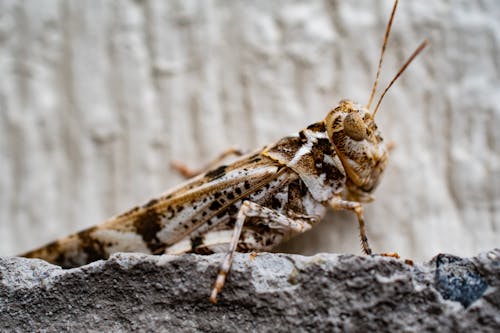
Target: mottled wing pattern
(201,203)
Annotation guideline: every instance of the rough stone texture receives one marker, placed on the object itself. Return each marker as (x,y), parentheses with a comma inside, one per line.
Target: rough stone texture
(271,293)
(97,97)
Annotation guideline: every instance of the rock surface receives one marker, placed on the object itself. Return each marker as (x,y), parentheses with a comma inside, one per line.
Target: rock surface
(271,293)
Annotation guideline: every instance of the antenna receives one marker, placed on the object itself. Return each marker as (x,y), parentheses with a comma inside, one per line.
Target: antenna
(410,59)
(386,37)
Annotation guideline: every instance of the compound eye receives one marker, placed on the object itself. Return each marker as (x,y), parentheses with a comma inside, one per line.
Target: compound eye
(355,127)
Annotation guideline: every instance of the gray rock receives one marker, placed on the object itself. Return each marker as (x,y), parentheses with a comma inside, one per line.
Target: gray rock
(273,292)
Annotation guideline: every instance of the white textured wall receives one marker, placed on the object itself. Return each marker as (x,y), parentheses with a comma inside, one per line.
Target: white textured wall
(97,97)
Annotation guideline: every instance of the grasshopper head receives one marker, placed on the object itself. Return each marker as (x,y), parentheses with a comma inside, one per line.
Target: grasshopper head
(355,137)
(359,145)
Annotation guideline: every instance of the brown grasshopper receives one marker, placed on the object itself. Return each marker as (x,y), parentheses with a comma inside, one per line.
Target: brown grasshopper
(256,202)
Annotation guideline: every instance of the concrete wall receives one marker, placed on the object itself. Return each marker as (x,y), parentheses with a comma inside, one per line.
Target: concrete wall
(97,97)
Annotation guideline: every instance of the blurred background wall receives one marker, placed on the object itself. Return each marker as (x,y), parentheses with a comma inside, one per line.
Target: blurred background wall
(98,97)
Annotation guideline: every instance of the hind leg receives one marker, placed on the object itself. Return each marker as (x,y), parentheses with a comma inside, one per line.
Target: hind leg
(188,172)
(270,217)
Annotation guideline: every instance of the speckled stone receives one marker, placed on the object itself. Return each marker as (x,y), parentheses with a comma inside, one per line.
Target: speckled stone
(271,293)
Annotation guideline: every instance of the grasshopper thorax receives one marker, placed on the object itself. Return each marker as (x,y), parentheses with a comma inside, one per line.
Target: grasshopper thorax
(359,145)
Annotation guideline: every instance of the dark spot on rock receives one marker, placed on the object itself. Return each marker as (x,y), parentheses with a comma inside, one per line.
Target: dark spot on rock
(216,173)
(230,196)
(237,190)
(246,185)
(458,279)
(434,310)
(179,209)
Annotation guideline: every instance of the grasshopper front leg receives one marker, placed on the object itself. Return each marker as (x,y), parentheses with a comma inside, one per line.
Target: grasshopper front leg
(339,204)
(270,217)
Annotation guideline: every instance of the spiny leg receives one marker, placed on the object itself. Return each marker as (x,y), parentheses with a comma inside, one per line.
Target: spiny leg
(266,215)
(188,172)
(338,204)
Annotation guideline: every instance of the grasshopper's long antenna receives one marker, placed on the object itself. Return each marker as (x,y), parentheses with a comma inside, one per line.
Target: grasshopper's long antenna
(386,37)
(410,59)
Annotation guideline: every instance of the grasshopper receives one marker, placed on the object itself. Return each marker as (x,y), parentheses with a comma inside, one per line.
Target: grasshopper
(253,204)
